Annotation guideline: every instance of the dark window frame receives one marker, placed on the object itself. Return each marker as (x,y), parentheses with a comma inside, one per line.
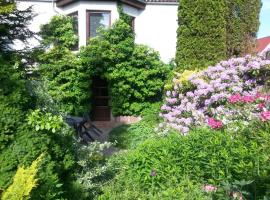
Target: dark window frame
(133,23)
(88,12)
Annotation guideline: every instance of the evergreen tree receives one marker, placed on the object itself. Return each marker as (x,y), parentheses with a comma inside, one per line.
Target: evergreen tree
(201,33)
(13,25)
(211,30)
(242,26)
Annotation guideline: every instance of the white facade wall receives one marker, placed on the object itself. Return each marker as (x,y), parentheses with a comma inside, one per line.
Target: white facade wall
(155,26)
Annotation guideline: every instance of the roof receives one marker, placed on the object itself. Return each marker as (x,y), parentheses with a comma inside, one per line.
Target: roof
(140,4)
(135,3)
(262,43)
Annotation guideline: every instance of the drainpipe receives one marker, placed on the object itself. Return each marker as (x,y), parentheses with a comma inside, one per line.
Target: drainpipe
(54,7)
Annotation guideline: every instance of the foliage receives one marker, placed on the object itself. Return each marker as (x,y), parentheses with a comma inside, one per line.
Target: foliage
(205,156)
(13,90)
(242,26)
(67,82)
(185,190)
(201,33)
(134,72)
(56,169)
(241,110)
(23,182)
(210,31)
(129,136)
(189,105)
(93,170)
(6,7)
(59,32)
(10,119)
(45,121)
(137,83)
(13,25)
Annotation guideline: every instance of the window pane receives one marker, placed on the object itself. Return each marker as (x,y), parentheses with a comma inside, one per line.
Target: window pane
(97,20)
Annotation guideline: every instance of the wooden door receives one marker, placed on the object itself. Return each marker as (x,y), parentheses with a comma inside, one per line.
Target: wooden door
(100,110)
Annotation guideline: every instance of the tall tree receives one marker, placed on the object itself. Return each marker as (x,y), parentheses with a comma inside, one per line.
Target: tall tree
(201,33)
(13,25)
(211,30)
(242,26)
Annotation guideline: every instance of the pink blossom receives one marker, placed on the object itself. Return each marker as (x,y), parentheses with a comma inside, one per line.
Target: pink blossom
(247,99)
(235,98)
(209,188)
(261,105)
(214,124)
(265,116)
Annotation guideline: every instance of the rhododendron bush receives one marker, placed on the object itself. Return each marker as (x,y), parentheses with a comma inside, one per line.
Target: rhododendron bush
(218,96)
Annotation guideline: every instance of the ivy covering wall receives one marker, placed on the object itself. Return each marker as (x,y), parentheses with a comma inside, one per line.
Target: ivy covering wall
(134,72)
(213,30)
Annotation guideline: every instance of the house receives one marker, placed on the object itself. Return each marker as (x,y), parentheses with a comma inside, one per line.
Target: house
(154,21)
(263,44)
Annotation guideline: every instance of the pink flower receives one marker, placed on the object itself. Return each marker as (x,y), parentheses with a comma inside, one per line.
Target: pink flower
(258,95)
(235,98)
(247,99)
(214,124)
(261,105)
(209,188)
(265,116)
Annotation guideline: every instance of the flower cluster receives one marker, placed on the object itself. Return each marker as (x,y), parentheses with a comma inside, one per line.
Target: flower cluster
(242,109)
(188,105)
(214,124)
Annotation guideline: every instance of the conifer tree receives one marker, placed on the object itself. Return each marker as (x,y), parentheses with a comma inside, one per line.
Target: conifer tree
(201,33)
(212,30)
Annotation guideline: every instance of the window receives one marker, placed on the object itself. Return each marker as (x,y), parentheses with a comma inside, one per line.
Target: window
(75,27)
(132,23)
(96,20)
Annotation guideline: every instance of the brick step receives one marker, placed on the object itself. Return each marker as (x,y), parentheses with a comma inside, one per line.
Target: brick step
(106,124)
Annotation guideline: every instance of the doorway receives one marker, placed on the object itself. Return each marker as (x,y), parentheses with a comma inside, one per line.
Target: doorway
(100,100)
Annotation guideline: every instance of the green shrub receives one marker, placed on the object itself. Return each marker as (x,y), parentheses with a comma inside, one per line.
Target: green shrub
(134,72)
(23,182)
(10,120)
(59,32)
(185,190)
(13,90)
(93,171)
(67,83)
(57,166)
(206,156)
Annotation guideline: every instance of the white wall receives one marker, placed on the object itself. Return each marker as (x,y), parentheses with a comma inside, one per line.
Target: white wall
(43,10)
(155,26)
